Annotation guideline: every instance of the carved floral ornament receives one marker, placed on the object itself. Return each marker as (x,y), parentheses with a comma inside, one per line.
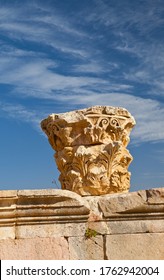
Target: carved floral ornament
(90,147)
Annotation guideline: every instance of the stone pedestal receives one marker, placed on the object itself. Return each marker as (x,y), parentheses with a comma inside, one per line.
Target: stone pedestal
(90,147)
(62,225)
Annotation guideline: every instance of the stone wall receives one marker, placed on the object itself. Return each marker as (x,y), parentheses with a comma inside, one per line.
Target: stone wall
(61,225)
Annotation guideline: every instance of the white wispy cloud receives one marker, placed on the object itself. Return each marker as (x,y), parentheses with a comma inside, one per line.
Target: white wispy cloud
(153,175)
(36,73)
(143,17)
(52,30)
(91,67)
(138,32)
(95,66)
(34,78)
(32,74)
(89,79)
(19,112)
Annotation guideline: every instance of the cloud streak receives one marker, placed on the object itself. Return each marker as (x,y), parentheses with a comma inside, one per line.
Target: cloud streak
(64,61)
(138,33)
(19,112)
(46,27)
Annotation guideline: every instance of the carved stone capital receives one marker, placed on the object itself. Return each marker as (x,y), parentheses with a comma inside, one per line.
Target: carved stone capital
(90,147)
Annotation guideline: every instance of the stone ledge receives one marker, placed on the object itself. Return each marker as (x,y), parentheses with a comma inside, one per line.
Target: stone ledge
(41,206)
(51,213)
(144,204)
(46,206)
(58,224)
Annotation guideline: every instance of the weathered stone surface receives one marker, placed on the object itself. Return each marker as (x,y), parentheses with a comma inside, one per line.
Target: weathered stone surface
(101,227)
(59,224)
(34,249)
(86,249)
(7,232)
(41,206)
(148,246)
(8,199)
(51,229)
(60,198)
(155,196)
(135,226)
(8,194)
(95,211)
(136,203)
(90,147)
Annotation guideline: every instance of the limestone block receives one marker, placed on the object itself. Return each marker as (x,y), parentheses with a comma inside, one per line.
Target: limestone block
(90,147)
(34,249)
(155,196)
(86,249)
(8,194)
(8,201)
(50,205)
(7,232)
(59,198)
(101,227)
(41,206)
(135,226)
(148,246)
(130,204)
(95,211)
(50,229)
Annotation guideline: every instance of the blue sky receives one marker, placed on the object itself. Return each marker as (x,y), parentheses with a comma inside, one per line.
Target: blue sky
(57,56)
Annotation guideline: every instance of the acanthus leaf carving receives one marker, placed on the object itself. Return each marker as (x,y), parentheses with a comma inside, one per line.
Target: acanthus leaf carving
(90,147)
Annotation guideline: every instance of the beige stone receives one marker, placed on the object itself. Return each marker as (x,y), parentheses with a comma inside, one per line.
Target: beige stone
(8,198)
(95,211)
(51,229)
(34,249)
(135,203)
(148,246)
(135,226)
(82,248)
(40,207)
(59,198)
(8,194)
(101,227)
(90,147)
(155,196)
(60,224)
(7,231)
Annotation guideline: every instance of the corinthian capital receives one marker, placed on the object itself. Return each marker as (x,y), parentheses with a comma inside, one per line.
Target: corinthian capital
(90,147)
